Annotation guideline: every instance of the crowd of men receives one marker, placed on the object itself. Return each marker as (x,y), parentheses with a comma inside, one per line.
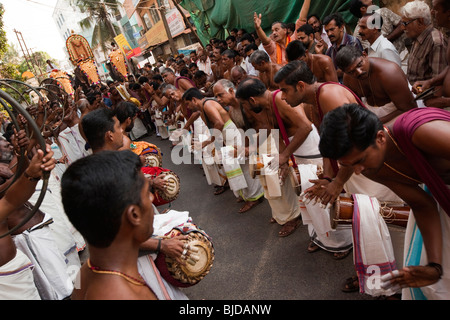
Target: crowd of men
(332,111)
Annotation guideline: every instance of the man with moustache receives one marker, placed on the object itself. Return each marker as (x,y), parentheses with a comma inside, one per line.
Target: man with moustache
(380,83)
(305,34)
(441,13)
(370,29)
(224,92)
(335,28)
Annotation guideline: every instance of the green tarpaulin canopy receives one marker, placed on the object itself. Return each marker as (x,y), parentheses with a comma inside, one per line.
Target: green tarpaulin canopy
(213,18)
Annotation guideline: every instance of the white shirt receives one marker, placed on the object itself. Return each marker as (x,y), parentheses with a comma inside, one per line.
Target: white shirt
(205,66)
(383,48)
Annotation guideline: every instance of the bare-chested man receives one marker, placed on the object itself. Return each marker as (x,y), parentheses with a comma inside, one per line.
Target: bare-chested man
(298,85)
(228,57)
(403,155)
(381,82)
(266,68)
(259,105)
(321,65)
(224,92)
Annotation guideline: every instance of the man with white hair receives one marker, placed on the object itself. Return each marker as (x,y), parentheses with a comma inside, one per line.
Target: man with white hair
(428,53)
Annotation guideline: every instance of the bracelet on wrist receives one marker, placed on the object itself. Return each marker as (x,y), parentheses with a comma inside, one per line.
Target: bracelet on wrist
(158,248)
(327,178)
(26,175)
(438,267)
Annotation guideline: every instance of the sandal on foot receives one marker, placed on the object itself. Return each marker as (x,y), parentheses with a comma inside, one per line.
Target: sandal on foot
(289,227)
(248,205)
(312,247)
(341,255)
(220,190)
(351,284)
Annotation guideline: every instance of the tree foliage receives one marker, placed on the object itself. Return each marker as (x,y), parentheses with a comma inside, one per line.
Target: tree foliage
(100,17)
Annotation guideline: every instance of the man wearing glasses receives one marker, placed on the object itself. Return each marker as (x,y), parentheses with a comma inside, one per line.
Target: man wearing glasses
(428,52)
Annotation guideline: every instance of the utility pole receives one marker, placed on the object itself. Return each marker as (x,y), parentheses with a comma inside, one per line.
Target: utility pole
(175,2)
(173,48)
(26,54)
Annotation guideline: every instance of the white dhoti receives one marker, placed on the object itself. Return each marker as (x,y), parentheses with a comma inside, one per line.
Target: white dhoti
(138,130)
(69,240)
(373,252)
(162,224)
(318,219)
(51,268)
(162,289)
(283,199)
(415,255)
(237,168)
(16,279)
(72,144)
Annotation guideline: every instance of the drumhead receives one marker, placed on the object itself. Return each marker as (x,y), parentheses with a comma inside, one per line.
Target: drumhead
(172,189)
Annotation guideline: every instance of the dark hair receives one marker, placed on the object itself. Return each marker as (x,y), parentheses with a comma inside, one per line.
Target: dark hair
(96,190)
(192,93)
(315,15)
(92,96)
(294,50)
(307,29)
(157,77)
(346,56)
(348,126)
(199,74)
(143,79)
(229,53)
(336,17)
(282,24)
(232,38)
(294,72)
(291,26)
(125,110)
(95,124)
(250,87)
(248,37)
(185,73)
(355,8)
(251,46)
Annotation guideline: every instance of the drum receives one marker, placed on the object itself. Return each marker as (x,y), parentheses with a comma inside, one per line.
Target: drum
(151,153)
(170,193)
(342,212)
(199,261)
(255,166)
(296,182)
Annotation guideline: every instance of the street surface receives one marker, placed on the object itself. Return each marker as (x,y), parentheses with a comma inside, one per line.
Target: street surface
(251,261)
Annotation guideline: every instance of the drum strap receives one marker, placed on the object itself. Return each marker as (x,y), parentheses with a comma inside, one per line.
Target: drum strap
(281,126)
(158,276)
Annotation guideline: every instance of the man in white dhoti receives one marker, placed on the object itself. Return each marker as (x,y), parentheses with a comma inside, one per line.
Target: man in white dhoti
(224,92)
(272,117)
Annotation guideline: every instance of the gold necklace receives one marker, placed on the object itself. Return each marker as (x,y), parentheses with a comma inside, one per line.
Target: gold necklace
(398,148)
(117,273)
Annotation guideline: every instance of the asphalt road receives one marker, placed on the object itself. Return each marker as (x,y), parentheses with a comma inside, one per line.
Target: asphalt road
(251,261)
